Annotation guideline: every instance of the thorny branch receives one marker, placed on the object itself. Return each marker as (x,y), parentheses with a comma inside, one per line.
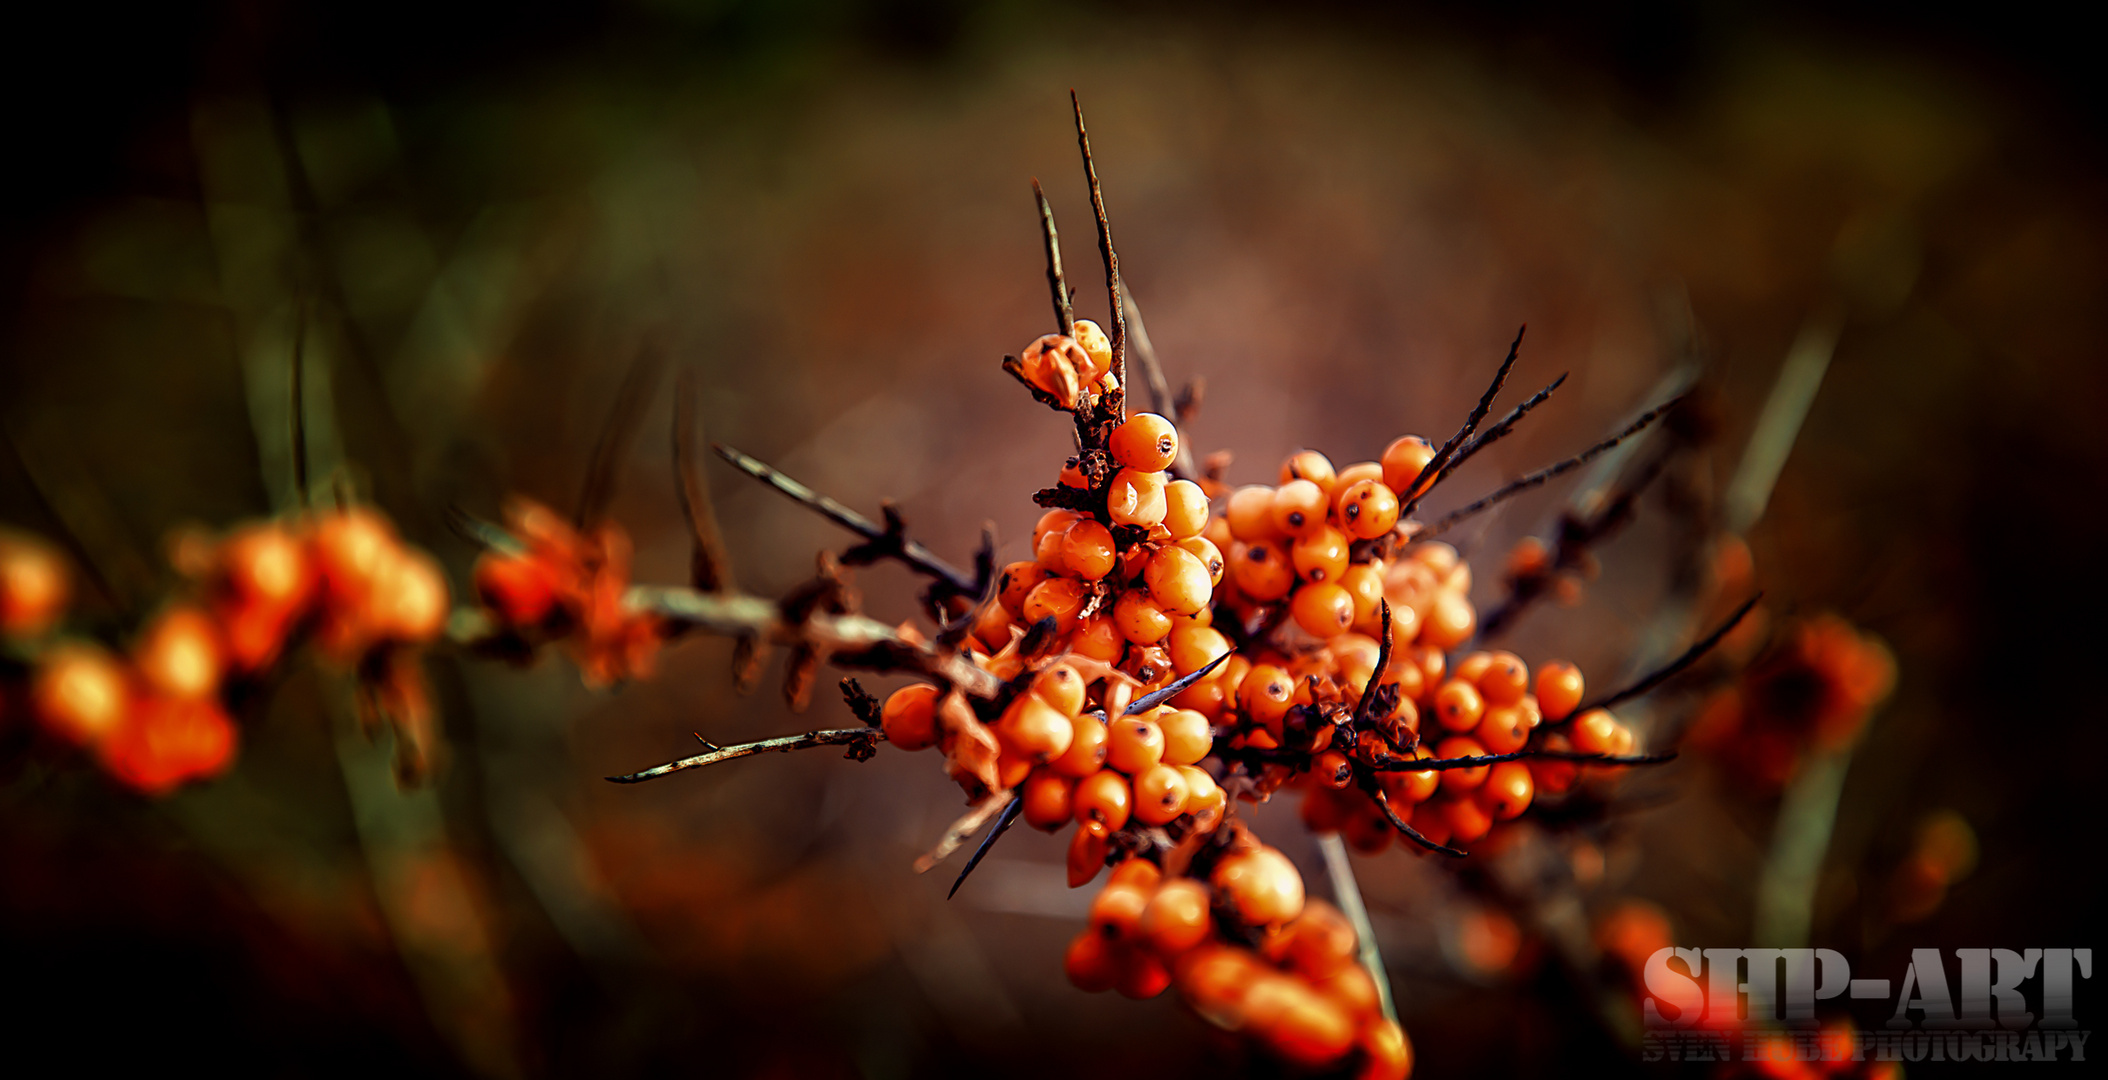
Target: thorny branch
(1549,472)
(710,563)
(862,743)
(887,541)
(990,805)
(1438,465)
(1112,265)
(1002,825)
(1064,311)
(1669,670)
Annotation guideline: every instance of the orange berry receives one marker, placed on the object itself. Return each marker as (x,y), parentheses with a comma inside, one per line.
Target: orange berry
(1209,555)
(1450,620)
(79,693)
(1472,666)
(1458,705)
(1140,619)
(1367,509)
(1559,689)
(1298,507)
(1060,686)
(1306,1030)
(1402,462)
(1098,638)
(1059,597)
(1178,581)
(1215,980)
(1017,582)
(1049,800)
(1202,793)
(1359,471)
(1595,732)
(1142,976)
(167,742)
(1468,821)
(1159,794)
(1092,963)
(1263,887)
(519,589)
(1136,498)
(1323,609)
(1265,695)
(1505,680)
(1134,744)
(1320,554)
(1262,571)
(1503,730)
(1053,521)
(909,717)
(1087,550)
(1176,918)
(180,654)
(1146,441)
(1095,345)
(1087,849)
(1035,730)
(1413,787)
(1458,781)
(1552,774)
(991,625)
(1507,791)
(409,598)
(1308,465)
(1104,797)
(1136,871)
(1195,647)
(1388,1054)
(1185,509)
(1117,908)
(1364,582)
(352,549)
(1321,940)
(1187,738)
(1250,514)
(34,585)
(1353,990)
(1086,752)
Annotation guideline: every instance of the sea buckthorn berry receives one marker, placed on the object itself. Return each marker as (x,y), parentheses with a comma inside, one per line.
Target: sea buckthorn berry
(1095,345)
(1262,571)
(1320,554)
(1368,509)
(1176,918)
(1528,558)
(1209,555)
(1413,787)
(1178,581)
(1402,462)
(1086,752)
(1195,647)
(1449,622)
(1011,769)
(1623,741)
(1310,1031)
(1323,609)
(519,589)
(34,585)
(1364,582)
(1352,990)
(1017,581)
(1185,509)
(1159,794)
(266,564)
(1146,442)
(1187,738)
(1087,550)
(1087,847)
(1559,689)
(1504,729)
(409,600)
(1357,472)
(1047,553)
(1202,792)
(1308,465)
(1059,597)
(909,717)
(1459,705)
(1250,514)
(1141,619)
(79,693)
(1136,498)
(1321,940)
(1552,774)
(1389,1054)
(167,742)
(1092,963)
(1505,680)
(1263,887)
(1468,821)
(1333,770)
(1036,730)
(1266,694)
(1105,799)
(1471,666)
(1097,638)
(352,548)
(1299,506)
(1049,799)
(991,626)
(1432,663)
(1053,521)
(1595,732)
(1117,908)
(1059,685)
(1429,821)
(1142,976)
(1134,744)
(1214,978)
(180,655)
(1136,871)
(1457,781)
(1507,791)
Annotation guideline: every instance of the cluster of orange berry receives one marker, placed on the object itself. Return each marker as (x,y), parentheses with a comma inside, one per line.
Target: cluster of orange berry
(563,584)
(158,716)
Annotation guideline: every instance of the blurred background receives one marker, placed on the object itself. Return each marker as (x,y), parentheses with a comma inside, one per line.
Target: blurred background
(481,213)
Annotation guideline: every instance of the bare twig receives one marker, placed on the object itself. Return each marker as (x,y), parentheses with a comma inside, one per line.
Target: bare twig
(1399,764)
(1160,398)
(710,565)
(1383,802)
(1112,262)
(1439,464)
(1064,311)
(1669,670)
(1002,825)
(968,824)
(617,434)
(861,740)
(1549,472)
(1500,428)
(908,551)
(1370,691)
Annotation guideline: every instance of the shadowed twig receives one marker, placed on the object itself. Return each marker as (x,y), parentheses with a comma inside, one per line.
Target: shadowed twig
(1383,802)
(1440,463)
(1002,825)
(1112,263)
(968,824)
(1160,398)
(710,564)
(1669,670)
(908,551)
(1549,472)
(1500,428)
(861,740)
(1064,311)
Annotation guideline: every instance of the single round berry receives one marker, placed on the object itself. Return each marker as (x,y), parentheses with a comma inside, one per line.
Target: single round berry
(1185,509)
(909,717)
(1096,345)
(1308,465)
(1059,597)
(1458,705)
(1320,554)
(1299,506)
(1061,686)
(1135,744)
(1178,581)
(1402,462)
(1262,886)
(1323,609)
(79,693)
(1262,571)
(1086,752)
(1141,619)
(1503,730)
(1049,799)
(1559,688)
(1105,799)
(180,654)
(1187,735)
(1136,498)
(1097,638)
(1160,794)
(1505,680)
(1087,550)
(1209,555)
(1176,918)
(1367,509)
(1195,647)
(1146,441)
(1507,791)
(34,585)
(1458,781)
(1250,514)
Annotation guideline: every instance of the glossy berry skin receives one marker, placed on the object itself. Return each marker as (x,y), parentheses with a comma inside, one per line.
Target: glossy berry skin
(1017,581)
(1141,619)
(1323,609)
(1136,498)
(1504,729)
(1135,744)
(1262,571)
(1308,465)
(1460,781)
(1087,847)
(1507,791)
(1209,555)
(1250,514)
(1095,345)
(80,694)
(1559,689)
(1187,737)
(909,717)
(1091,963)
(1320,554)
(34,585)
(1458,705)
(1059,597)
(1367,509)
(1505,680)
(1035,730)
(1265,695)
(1049,800)
(1086,752)
(1105,799)
(1299,506)
(180,654)
(1594,732)
(1185,509)
(1087,550)
(1263,887)
(1402,462)
(1147,442)
(1060,686)
(1176,918)
(1178,581)
(519,589)
(1159,794)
